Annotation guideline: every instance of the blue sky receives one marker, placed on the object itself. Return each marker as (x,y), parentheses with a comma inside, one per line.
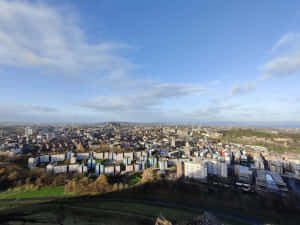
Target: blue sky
(150,61)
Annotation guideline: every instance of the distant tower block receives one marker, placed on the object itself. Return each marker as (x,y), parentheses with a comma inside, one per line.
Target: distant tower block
(180,170)
(187,144)
(173,142)
(28,131)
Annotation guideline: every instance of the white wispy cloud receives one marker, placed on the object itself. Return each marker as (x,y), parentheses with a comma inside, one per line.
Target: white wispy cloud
(21,112)
(227,106)
(213,112)
(39,36)
(26,108)
(36,35)
(51,39)
(281,66)
(153,96)
(284,64)
(285,39)
(239,89)
(277,67)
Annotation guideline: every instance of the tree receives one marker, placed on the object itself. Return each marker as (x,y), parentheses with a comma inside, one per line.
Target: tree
(70,186)
(2,171)
(13,176)
(121,186)
(147,176)
(115,187)
(102,179)
(102,184)
(39,182)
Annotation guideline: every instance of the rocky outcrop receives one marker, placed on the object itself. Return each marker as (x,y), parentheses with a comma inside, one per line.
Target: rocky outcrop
(205,219)
(162,221)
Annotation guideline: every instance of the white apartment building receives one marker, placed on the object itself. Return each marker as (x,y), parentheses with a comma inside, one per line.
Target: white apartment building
(57,157)
(163,164)
(44,158)
(128,155)
(28,131)
(60,169)
(216,168)
(99,155)
(195,170)
(82,156)
(32,162)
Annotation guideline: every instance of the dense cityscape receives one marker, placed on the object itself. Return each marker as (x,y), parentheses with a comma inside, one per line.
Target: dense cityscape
(194,152)
(53,161)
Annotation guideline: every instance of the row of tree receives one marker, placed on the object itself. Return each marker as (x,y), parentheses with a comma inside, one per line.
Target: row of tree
(15,174)
(86,185)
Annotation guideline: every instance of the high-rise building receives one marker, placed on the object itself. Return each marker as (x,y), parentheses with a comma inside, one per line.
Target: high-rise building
(187,144)
(195,170)
(259,163)
(173,142)
(222,169)
(216,168)
(28,131)
(276,166)
(179,169)
(163,164)
(269,181)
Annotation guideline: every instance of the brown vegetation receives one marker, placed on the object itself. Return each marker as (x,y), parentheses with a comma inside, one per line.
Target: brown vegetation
(87,185)
(14,175)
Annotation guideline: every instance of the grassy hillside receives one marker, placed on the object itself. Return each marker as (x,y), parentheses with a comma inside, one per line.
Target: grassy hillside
(100,211)
(177,202)
(39,193)
(280,142)
(234,133)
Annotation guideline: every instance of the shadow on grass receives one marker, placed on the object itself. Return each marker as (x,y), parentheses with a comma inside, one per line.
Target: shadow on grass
(141,204)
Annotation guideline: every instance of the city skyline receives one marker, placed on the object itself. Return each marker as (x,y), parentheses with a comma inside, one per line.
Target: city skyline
(203,62)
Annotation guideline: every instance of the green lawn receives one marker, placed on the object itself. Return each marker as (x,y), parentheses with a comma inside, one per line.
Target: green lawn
(43,192)
(235,135)
(100,160)
(134,180)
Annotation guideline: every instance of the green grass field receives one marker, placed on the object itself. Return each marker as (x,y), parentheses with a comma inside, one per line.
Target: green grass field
(134,180)
(40,193)
(236,135)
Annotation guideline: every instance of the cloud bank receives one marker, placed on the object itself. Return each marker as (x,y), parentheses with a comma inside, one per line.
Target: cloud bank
(285,64)
(51,39)
(153,96)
